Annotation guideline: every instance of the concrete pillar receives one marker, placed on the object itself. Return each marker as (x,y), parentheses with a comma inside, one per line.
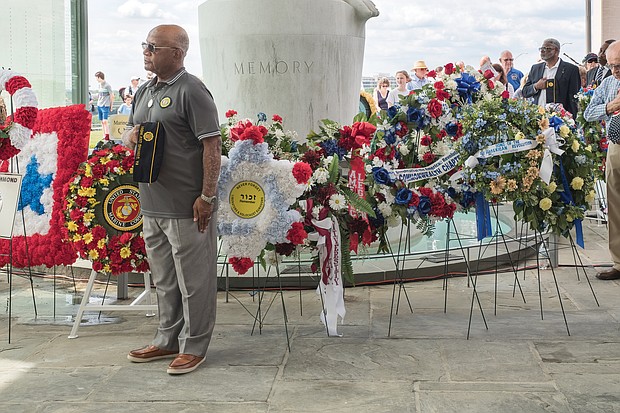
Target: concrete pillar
(299,59)
(610,20)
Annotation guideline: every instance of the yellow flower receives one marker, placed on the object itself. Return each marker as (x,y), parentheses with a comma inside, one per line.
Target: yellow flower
(92,202)
(76,237)
(106,268)
(93,254)
(552,187)
(72,226)
(125,252)
(575,146)
(541,110)
(564,131)
(540,138)
(519,136)
(545,204)
(87,192)
(88,238)
(88,171)
(569,218)
(104,160)
(590,197)
(589,148)
(104,181)
(511,185)
(577,183)
(533,171)
(88,216)
(101,243)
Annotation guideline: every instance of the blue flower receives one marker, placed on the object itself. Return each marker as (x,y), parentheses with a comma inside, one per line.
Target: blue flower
(331,148)
(467,85)
(424,207)
(393,111)
(452,192)
(417,117)
(519,203)
(403,196)
(390,136)
(378,220)
(580,159)
(262,117)
(381,175)
(452,128)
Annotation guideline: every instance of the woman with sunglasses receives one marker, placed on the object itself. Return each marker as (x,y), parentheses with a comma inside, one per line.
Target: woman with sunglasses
(382,91)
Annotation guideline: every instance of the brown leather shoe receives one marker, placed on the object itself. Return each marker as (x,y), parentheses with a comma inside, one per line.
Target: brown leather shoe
(150,353)
(612,274)
(185,363)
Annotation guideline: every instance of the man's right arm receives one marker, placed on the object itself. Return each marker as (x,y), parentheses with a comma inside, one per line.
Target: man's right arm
(599,107)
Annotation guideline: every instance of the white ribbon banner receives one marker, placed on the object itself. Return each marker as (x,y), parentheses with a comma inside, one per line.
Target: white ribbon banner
(551,145)
(443,165)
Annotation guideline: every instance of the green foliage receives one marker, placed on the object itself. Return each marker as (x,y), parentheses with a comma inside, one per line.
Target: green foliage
(357,202)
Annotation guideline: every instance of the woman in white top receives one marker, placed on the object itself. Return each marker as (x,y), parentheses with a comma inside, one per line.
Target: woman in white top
(402,77)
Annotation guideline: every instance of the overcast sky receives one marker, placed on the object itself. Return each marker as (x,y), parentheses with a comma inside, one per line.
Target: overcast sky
(438,32)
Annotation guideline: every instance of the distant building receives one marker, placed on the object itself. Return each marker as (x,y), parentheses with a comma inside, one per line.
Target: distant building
(370,82)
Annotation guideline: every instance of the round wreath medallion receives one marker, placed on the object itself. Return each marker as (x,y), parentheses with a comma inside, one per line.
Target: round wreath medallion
(121,208)
(103,218)
(247,199)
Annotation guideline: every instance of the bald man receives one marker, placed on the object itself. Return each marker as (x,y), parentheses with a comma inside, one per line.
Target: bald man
(513,75)
(179,207)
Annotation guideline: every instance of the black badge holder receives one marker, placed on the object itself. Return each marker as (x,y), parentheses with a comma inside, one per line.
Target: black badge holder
(149,152)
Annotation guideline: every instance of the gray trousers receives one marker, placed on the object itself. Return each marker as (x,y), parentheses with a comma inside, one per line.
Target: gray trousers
(183,264)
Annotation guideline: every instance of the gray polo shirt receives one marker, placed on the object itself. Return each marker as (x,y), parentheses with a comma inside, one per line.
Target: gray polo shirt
(188,114)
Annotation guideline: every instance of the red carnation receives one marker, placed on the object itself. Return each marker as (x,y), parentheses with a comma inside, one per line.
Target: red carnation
(425,191)
(230,113)
(285,249)
(428,157)
(312,158)
(277,118)
(126,237)
(415,199)
(26,116)
(431,74)
(86,182)
(491,85)
(505,94)
(253,133)
(297,234)
(448,69)
(488,74)
(97,266)
(15,83)
(403,129)
(76,215)
(363,128)
(439,85)
(302,172)
(241,265)
(425,140)
(442,94)
(434,108)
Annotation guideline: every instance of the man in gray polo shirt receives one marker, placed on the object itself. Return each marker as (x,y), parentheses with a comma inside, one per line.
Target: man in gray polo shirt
(180,228)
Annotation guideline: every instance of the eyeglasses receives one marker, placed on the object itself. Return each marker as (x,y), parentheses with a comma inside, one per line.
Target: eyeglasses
(152,48)
(546,49)
(508,60)
(592,60)
(613,67)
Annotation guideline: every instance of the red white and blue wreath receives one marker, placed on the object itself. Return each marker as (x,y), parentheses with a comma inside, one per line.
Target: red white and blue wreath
(256,192)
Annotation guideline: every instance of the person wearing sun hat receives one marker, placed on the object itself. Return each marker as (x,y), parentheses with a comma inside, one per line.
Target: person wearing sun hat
(133,86)
(420,76)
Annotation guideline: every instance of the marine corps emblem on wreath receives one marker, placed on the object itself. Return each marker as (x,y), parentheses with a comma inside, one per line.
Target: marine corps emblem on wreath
(165,102)
(121,208)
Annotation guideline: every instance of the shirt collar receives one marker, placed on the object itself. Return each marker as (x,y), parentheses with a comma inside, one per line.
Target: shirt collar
(174,78)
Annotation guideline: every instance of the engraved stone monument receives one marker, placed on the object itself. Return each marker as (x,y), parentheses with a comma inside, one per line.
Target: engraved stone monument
(300,59)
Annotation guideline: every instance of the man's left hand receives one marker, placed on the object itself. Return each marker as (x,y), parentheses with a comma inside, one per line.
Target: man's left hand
(202,213)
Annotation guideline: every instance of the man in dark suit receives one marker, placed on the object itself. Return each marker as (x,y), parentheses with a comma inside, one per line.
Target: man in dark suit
(553,80)
(595,76)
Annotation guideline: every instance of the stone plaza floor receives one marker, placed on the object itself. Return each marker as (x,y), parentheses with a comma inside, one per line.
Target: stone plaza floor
(521,363)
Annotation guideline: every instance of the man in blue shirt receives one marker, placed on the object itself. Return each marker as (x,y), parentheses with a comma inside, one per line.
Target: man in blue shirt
(605,102)
(513,75)
(420,76)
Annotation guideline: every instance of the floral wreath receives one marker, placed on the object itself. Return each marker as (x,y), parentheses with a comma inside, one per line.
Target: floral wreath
(256,192)
(109,167)
(16,131)
(534,158)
